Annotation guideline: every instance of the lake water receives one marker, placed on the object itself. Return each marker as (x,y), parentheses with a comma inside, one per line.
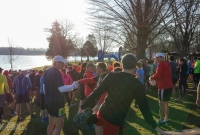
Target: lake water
(28,62)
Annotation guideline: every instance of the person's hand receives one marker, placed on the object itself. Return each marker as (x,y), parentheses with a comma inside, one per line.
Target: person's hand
(75,84)
(161,131)
(198,102)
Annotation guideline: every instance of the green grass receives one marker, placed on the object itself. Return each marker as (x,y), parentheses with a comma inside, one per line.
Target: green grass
(183,115)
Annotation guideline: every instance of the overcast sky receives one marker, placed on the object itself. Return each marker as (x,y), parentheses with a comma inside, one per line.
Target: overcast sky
(24,21)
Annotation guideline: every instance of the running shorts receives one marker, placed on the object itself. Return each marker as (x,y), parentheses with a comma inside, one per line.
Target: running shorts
(164,94)
(9,98)
(54,110)
(22,99)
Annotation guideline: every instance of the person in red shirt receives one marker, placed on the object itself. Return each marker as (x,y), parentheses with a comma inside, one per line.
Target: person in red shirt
(8,96)
(101,71)
(163,78)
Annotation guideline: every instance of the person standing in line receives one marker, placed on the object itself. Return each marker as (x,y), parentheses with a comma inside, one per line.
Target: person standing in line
(67,80)
(21,86)
(4,88)
(74,75)
(163,77)
(44,112)
(182,78)
(8,96)
(140,72)
(173,65)
(197,71)
(37,87)
(54,90)
(81,86)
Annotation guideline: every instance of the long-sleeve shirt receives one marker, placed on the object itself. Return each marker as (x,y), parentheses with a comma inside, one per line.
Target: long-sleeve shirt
(96,79)
(42,90)
(3,84)
(21,85)
(163,75)
(122,88)
(183,70)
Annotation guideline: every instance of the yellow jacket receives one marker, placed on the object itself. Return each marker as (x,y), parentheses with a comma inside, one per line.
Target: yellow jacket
(3,84)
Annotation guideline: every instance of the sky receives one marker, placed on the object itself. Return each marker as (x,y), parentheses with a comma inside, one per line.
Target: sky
(23,21)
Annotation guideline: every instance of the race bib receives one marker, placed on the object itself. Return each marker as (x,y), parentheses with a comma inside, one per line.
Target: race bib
(61,112)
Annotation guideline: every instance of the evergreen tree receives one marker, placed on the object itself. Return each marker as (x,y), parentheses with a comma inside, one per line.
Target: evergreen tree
(58,44)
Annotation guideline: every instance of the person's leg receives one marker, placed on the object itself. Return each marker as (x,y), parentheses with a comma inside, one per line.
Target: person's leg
(67,98)
(29,108)
(186,85)
(1,112)
(59,125)
(18,109)
(73,96)
(180,83)
(98,130)
(51,126)
(166,111)
(162,110)
(174,91)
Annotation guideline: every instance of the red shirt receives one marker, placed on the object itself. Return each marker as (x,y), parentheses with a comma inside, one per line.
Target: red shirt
(89,87)
(163,75)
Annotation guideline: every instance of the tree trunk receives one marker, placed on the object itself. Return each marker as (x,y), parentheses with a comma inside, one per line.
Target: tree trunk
(141,47)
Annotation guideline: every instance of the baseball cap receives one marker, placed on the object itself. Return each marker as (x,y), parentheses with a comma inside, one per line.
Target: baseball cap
(1,69)
(160,55)
(59,58)
(129,61)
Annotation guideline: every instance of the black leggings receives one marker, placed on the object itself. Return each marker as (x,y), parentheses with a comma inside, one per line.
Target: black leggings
(182,84)
(186,85)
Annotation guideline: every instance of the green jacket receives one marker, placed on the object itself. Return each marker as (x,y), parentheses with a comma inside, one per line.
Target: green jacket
(197,67)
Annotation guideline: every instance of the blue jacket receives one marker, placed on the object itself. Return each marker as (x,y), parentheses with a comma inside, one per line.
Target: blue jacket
(21,85)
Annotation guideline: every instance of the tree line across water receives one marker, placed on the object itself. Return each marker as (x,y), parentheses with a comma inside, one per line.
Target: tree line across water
(22,51)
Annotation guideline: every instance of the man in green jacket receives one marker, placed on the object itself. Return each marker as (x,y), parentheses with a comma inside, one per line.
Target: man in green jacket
(197,72)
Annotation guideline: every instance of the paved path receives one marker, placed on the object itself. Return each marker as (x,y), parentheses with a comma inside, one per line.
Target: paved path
(185,132)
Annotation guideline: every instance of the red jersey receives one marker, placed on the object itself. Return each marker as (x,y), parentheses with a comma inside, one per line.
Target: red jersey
(163,75)
(89,87)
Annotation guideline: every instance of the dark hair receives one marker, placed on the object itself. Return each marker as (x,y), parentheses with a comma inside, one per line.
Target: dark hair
(171,58)
(139,64)
(116,64)
(181,59)
(83,66)
(195,58)
(102,65)
(64,71)
(117,69)
(41,72)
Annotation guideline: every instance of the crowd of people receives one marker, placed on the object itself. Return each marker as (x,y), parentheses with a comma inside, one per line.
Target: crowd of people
(104,99)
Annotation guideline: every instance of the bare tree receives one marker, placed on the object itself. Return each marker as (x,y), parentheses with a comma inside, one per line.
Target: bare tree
(104,38)
(184,23)
(132,17)
(10,55)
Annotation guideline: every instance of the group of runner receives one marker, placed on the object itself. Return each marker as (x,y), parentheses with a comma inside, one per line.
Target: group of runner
(104,98)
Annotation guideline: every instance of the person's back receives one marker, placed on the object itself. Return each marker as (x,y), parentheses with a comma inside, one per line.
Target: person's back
(67,80)
(3,84)
(21,85)
(118,104)
(163,75)
(52,95)
(37,80)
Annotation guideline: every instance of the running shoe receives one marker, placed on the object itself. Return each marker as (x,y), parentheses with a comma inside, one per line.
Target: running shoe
(160,122)
(18,119)
(33,116)
(43,120)
(79,118)
(14,114)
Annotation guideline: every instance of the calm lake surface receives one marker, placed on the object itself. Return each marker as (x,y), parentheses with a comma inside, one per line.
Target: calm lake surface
(28,62)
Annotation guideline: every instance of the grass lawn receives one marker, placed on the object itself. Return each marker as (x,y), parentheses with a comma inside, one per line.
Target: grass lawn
(183,115)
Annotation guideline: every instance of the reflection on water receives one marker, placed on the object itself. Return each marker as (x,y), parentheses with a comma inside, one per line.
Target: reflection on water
(27,62)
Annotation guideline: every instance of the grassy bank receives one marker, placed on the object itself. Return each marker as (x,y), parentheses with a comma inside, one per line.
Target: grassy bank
(183,115)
